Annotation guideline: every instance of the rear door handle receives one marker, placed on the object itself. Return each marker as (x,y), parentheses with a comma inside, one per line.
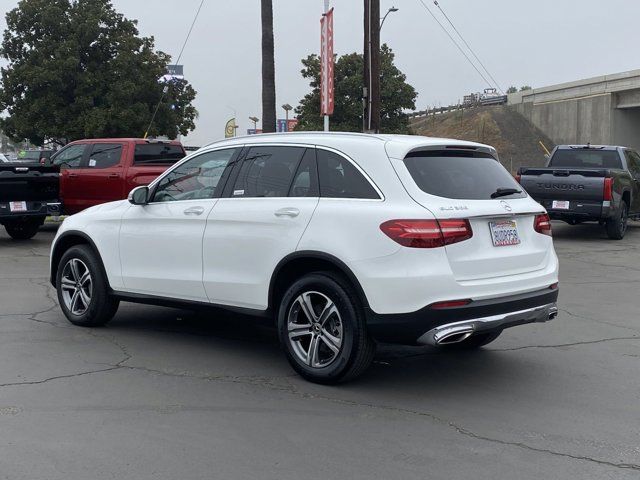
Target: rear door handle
(114,176)
(194,211)
(73,175)
(287,212)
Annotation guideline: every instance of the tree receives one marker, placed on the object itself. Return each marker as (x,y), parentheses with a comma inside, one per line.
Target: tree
(525,88)
(512,89)
(268,69)
(396,95)
(78,69)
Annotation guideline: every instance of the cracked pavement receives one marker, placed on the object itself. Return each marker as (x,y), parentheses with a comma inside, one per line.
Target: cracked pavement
(164,394)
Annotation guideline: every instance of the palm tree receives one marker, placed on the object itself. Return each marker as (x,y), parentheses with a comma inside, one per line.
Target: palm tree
(268,69)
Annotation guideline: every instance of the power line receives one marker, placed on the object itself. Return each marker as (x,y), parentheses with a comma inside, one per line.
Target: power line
(454,42)
(468,46)
(165,89)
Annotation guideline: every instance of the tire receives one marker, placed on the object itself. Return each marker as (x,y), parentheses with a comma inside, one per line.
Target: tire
(475,341)
(617,226)
(81,277)
(23,229)
(344,349)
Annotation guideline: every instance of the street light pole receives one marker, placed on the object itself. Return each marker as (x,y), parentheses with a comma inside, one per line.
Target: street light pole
(372,64)
(326,117)
(391,10)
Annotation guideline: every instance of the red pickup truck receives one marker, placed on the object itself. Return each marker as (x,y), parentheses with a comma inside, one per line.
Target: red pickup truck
(103,170)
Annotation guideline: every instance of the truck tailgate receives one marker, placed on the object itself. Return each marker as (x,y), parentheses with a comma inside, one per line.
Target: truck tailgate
(564,190)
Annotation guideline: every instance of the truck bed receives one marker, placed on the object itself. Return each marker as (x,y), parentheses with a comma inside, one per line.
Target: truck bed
(36,185)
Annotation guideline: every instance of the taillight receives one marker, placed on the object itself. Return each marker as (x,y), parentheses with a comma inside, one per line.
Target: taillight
(427,233)
(542,224)
(518,177)
(608,189)
(450,304)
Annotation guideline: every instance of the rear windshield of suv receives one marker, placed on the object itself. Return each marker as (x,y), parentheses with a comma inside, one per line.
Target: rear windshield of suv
(586,158)
(154,153)
(461,175)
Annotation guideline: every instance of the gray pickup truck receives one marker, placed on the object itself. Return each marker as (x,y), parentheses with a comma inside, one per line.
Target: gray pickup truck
(583,183)
(28,194)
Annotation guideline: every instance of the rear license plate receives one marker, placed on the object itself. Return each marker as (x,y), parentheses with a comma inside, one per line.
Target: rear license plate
(560,205)
(18,206)
(504,233)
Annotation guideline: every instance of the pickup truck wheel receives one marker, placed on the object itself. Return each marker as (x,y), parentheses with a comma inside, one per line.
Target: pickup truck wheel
(617,226)
(83,289)
(23,229)
(475,341)
(322,329)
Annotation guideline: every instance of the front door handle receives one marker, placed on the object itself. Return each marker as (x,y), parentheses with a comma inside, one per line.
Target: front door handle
(194,211)
(287,212)
(73,175)
(114,176)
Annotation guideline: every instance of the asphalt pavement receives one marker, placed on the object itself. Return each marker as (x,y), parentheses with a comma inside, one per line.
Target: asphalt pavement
(169,394)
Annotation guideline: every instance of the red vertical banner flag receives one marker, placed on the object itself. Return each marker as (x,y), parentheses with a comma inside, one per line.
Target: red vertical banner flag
(326,64)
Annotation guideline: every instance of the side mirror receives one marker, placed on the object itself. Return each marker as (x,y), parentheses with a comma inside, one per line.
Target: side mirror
(139,196)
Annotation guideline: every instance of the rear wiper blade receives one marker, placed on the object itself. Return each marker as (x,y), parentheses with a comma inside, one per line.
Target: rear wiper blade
(503,192)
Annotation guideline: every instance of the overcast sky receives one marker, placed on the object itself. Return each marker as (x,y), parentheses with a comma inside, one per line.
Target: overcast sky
(537,43)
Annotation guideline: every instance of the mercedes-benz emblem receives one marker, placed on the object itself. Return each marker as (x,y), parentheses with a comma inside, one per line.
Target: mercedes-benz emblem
(506,206)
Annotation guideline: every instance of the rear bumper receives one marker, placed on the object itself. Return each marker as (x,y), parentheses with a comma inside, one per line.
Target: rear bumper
(34,209)
(427,325)
(579,210)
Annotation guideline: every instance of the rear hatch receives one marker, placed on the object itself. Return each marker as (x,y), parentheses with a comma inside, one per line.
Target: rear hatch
(471,184)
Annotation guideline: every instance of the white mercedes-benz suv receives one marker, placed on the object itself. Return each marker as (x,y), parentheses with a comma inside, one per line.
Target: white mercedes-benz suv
(342,239)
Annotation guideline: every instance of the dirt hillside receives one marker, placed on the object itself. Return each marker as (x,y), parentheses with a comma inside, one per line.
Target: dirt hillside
(515,138)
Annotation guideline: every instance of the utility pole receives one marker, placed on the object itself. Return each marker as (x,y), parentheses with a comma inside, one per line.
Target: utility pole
(372,65)
(326,117)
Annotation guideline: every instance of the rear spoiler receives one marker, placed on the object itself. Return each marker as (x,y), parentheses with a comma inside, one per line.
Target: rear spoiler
(565,172)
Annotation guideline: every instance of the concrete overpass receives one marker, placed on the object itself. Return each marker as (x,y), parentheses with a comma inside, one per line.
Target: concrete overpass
(600,110)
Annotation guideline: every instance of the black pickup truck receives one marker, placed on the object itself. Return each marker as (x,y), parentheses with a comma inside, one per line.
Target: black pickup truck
(28,194)
(584,183)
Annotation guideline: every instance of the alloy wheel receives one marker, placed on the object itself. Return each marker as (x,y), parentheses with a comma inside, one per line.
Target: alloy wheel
(77,285)
(315,329)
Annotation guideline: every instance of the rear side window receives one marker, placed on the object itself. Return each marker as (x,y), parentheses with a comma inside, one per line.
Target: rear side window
(460,174)
(267,172)
(586,158)
(305,181)
(339,178)
(105,155)
(157,153)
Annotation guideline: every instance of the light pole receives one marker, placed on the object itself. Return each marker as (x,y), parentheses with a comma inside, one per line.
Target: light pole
(255,121)
(287,108)
(391,10)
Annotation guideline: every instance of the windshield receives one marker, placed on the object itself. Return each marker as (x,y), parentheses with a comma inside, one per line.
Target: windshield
(586,158)
(462,175)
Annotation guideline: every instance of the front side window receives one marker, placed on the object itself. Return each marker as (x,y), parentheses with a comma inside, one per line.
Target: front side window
(267,172)
(459,174)
(198,178)
(105,155)
(339,178)
(70,157)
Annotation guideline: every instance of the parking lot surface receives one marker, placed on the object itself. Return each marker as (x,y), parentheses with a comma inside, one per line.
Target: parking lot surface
(169,394)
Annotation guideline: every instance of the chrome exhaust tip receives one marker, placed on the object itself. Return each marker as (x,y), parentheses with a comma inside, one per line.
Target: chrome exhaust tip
(451,335)
(553,312)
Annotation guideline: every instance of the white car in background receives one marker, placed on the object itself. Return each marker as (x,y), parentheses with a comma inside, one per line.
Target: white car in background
(342,239)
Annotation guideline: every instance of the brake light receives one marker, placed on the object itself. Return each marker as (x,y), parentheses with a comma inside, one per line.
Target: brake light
(553,286)
(608,189)
(542,224)
(427,233)
(450,304)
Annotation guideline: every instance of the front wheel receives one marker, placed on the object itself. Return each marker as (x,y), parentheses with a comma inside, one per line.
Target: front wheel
(83,291)
(23,229)
(617,226)
(322,329)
